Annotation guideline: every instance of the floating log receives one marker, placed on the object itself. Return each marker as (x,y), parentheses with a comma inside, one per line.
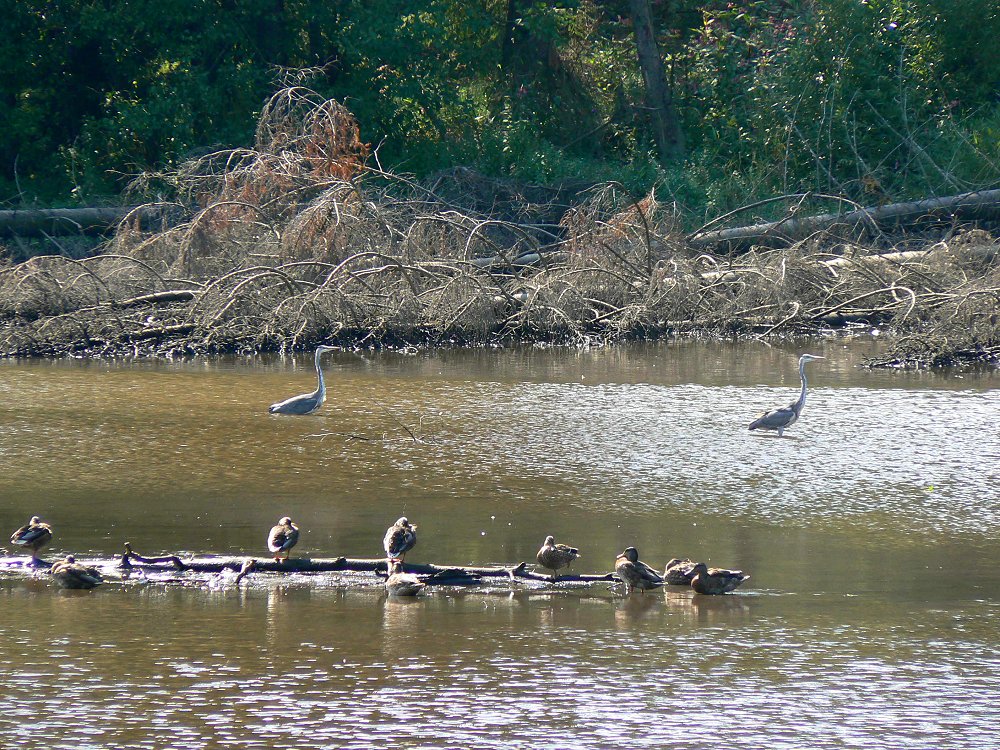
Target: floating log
(441,575)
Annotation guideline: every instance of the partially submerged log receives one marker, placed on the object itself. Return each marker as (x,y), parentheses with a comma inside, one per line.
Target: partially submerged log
(441,575)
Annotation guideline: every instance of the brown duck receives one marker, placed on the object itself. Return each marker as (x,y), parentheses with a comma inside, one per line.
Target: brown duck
(282,538)
(73,575)
(402,584)
(33,536)
(554,556)
(635,573)
(708,580)
(679,571)
(399,539)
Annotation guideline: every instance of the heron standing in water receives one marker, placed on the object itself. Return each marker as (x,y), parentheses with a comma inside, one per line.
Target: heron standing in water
(307,403)
(786,416)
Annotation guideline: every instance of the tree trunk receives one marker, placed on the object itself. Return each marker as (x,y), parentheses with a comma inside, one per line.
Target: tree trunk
(659,99)
(38,222)
(450,575)
(980,205)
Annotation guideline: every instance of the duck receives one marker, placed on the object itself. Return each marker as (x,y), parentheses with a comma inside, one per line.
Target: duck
(33,535)
(679,571)
(402,584)
(554,556)
(282,538)
(72,575)
(635,573)
(399,539)
(708,580)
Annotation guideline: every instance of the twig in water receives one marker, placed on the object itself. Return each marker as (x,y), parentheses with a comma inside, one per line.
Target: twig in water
(348,435)
(398,421)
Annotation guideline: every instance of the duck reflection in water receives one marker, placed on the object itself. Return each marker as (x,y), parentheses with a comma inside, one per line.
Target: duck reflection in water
(705,610)
(401,618)
(633,608)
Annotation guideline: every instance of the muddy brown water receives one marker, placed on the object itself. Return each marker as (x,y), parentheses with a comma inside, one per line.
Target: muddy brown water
(872,532)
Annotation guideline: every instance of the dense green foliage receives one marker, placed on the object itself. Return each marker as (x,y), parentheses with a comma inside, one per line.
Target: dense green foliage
(871,99)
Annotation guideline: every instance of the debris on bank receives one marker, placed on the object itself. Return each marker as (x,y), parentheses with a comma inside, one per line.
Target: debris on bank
(297,242)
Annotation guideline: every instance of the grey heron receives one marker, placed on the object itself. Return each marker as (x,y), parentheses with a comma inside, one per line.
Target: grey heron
(307,403)
(635,573)
(33,535)
(783,418)
(708,580)
(72,575)
(282,538)
(399,539)
(554,556)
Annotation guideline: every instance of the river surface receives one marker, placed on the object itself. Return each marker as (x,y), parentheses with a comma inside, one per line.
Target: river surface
(871,530)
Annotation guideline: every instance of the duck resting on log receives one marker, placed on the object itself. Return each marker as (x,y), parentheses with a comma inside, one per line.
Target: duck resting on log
(34,535)
(70,574)
(554,556)
(628,569)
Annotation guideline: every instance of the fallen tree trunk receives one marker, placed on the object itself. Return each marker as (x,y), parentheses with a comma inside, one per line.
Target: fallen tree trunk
(980,205)
(158,298)
(38,222)
(440,575)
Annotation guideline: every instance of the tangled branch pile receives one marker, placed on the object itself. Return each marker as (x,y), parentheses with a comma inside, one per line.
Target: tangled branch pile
(297,241)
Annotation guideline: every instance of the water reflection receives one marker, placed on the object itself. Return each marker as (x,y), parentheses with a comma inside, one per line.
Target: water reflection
(855,630)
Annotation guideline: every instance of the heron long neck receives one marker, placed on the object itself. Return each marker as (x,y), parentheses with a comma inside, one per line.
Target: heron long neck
(802,396)
(321,388)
